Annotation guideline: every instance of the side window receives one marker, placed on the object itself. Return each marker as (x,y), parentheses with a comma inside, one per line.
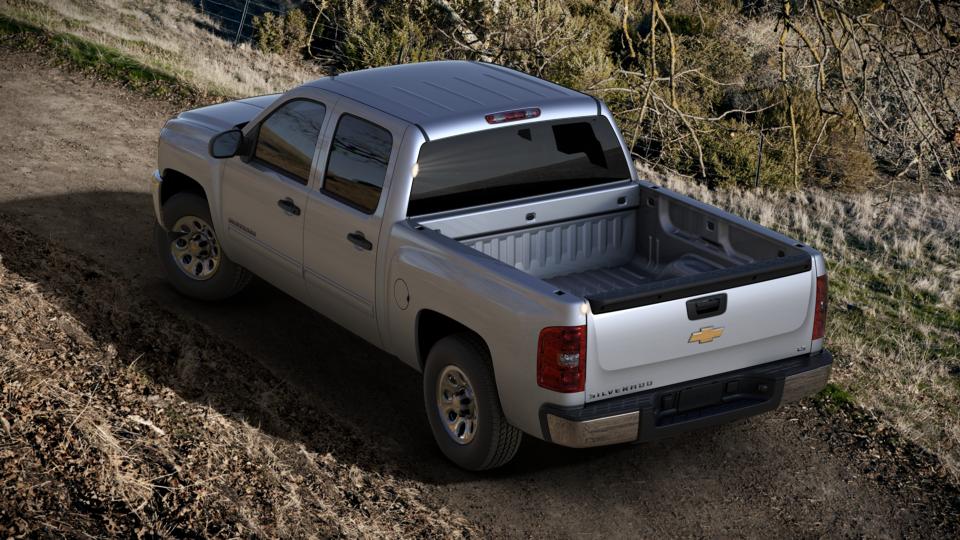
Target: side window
(288,137)
(357,166)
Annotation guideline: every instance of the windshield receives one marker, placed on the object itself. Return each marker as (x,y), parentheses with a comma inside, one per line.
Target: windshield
(516,161)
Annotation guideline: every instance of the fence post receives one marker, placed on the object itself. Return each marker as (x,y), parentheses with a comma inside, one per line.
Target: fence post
(246,5)
(756,181)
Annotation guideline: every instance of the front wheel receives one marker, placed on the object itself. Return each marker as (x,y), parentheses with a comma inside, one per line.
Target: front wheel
(463,407)
(190,252)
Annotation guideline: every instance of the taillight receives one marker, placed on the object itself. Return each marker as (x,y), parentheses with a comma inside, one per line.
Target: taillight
(510,116)
(562,358)
(820,317)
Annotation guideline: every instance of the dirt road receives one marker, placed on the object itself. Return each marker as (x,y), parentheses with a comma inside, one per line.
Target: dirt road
(76,155)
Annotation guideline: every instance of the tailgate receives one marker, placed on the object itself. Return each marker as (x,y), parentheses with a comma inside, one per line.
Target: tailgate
(682,339)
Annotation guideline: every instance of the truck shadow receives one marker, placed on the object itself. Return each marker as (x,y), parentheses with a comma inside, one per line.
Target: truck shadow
(377,396)
(324,365)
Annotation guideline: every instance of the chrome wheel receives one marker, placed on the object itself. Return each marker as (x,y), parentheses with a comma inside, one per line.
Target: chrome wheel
(457,405)
(195,248)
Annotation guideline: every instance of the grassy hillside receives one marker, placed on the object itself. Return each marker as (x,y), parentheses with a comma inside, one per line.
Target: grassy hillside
(166,37)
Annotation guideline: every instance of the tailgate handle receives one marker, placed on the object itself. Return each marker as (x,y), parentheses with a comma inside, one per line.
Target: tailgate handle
(708,306)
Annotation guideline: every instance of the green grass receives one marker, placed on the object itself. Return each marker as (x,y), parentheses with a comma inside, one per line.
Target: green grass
(833,396)
(100,60)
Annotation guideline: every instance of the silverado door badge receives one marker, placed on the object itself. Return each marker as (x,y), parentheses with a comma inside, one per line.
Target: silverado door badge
(706,334)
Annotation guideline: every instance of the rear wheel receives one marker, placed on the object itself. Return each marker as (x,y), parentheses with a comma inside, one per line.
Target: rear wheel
(190,252)
(463,407)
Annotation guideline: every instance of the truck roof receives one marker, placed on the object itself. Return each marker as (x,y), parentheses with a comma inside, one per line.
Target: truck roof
(450,97)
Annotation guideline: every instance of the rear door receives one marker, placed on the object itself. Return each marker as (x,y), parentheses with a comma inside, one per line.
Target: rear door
(263,198)
(665,343)
(344,215)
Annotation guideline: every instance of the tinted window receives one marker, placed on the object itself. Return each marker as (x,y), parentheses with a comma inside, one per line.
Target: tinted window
(288,137)
(358,163)
(513,162)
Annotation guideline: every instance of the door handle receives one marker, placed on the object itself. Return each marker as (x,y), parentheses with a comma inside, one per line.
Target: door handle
(357,239)
(287,206)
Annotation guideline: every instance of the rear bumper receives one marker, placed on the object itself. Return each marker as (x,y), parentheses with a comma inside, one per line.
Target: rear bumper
(667,411)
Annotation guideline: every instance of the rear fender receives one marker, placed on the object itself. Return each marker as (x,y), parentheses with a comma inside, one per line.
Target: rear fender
(502,305)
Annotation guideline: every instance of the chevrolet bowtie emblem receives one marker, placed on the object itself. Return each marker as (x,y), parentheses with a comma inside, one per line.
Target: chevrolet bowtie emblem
(706,334)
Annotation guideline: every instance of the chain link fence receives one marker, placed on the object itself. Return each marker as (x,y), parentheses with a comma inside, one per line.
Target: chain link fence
(235,17)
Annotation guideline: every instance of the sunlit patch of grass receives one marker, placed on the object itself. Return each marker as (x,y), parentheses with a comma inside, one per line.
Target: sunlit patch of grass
(171,37)
(104,61)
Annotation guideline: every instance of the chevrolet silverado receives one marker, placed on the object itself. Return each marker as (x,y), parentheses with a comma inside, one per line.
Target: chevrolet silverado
(489,229)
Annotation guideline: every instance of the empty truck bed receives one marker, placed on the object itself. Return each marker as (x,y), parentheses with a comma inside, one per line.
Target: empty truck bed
(599,281)
(659,243)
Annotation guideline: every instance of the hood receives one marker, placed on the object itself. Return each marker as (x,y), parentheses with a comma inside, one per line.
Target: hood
(223,116)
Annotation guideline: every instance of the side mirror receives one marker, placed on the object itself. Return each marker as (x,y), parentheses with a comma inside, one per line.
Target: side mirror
(226,144)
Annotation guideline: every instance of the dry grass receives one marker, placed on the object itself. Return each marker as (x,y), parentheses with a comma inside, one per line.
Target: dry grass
(894,320)
(118,420)
(167,35)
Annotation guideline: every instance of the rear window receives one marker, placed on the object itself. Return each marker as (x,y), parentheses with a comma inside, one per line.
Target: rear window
(516,161)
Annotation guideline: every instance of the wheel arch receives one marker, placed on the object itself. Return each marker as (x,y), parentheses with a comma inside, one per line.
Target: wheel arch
(432,326)
(175,182)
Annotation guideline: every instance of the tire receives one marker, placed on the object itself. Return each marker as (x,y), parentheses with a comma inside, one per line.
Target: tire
(493,441)
(216,277)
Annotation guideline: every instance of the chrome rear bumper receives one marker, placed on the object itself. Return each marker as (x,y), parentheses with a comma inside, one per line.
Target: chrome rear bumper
(661,412)
(806,383)
(597,432)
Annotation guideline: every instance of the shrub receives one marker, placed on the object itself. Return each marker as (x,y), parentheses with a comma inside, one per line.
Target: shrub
(392,34)
(833,148)
(731,158)
(565,41)
(295,32)
(268,33)
(285,34)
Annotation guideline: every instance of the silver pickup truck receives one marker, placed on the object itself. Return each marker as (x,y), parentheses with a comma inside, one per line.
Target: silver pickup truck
(488,228)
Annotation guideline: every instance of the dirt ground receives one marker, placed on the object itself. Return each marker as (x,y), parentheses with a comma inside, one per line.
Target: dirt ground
(119,419)
(76,156)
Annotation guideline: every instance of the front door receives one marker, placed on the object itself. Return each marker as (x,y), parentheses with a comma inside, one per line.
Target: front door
(264,197)
(343,221)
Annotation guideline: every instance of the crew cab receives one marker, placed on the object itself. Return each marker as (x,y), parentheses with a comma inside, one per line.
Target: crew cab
(489,229)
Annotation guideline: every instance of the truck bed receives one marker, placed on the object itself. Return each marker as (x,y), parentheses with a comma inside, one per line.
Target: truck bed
(600,280)
(631,246)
